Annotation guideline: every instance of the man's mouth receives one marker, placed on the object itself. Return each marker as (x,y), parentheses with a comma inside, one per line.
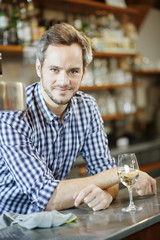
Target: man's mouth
(62,89)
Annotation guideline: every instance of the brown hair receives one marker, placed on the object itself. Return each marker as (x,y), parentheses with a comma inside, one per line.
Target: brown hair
(64,34)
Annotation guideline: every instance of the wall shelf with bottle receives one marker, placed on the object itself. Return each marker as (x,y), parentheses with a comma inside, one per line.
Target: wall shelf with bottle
(18,49)
(121,115)
(113,100)
(29,14)
(109,86)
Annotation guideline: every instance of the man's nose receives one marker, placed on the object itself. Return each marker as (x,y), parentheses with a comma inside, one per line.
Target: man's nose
(64,79)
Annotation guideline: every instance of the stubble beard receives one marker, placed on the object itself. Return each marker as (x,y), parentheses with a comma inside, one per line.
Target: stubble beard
(55,100)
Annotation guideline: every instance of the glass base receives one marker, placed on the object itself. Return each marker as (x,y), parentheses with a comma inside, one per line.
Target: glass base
(131,208)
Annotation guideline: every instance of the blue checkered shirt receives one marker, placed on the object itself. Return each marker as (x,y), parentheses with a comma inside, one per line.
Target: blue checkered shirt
(36,152)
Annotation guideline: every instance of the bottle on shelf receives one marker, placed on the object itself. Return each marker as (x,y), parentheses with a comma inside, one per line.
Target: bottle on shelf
(4,24)
(33,21)
(92,26)
(85,24)
(30,8)
(77,22)
(1,65)
(14,24)
(25,29)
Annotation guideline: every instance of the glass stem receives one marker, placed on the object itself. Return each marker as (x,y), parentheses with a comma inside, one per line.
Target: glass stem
(131,203)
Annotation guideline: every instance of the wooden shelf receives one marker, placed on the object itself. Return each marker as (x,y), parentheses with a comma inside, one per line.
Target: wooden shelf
(95,6)
(11,50)
(147,72)
(82,6)
(114,54)
(16,51)
(109,86)
(121,115)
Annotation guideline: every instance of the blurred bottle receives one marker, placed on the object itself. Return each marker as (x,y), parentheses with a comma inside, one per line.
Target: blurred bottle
(1,75)
(88,79)
(4,24)
(96,70)
(13,25)
(30,8)
(85,24)
(78,22)
(33,22)
(24,29)
(92,26)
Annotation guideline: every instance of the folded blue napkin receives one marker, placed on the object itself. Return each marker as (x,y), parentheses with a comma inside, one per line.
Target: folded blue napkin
(37,219)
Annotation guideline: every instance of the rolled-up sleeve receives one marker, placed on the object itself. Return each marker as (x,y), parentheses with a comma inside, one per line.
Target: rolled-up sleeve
(27,167)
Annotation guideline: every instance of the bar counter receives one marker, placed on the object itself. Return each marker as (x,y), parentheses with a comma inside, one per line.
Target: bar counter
(110,224)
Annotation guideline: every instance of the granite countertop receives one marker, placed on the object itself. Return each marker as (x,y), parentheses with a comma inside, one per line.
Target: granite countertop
(111,224)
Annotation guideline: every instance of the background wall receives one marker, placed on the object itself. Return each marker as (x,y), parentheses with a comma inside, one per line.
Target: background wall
(149,36)
(148,44)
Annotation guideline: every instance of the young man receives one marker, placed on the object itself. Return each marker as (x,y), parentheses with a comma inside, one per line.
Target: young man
(38,146)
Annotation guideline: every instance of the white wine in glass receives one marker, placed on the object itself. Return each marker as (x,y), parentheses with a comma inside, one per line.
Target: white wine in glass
(128,171)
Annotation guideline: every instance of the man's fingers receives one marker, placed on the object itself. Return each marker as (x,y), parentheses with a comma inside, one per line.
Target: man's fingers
(145,184)
(81,195)
(94,197)
(78,199)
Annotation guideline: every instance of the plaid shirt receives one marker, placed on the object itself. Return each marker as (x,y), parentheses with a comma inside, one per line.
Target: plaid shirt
(36,152)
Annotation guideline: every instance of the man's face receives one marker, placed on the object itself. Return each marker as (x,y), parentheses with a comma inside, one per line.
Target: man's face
(61,74)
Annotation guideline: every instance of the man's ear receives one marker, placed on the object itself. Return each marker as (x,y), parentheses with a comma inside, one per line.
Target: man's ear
(38,68)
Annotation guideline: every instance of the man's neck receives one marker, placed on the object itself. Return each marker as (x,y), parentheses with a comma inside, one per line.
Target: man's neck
(58,110)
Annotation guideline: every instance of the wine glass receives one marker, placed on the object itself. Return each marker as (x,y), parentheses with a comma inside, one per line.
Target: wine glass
(128,171)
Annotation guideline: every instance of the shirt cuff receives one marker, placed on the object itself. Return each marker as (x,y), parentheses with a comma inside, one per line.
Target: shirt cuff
(42,196)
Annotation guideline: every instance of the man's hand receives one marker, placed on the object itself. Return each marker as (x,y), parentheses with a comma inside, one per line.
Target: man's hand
(94,197)
(145,184)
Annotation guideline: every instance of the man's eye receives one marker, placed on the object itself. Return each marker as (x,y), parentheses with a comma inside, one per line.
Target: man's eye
(54,70)
(73,71)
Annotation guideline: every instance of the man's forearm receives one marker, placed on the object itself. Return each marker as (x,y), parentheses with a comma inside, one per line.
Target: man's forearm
(113,191)
(62,197)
